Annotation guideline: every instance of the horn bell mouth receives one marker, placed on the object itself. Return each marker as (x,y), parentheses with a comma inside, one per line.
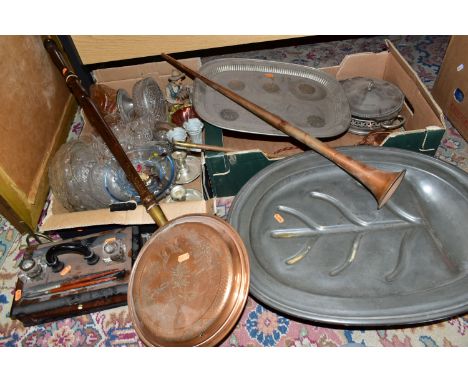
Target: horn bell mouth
(391,188)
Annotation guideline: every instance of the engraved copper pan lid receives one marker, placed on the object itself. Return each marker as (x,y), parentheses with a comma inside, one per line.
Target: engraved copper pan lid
(190,283)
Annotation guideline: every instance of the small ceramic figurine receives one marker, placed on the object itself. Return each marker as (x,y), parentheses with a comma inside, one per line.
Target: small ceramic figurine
(176,91)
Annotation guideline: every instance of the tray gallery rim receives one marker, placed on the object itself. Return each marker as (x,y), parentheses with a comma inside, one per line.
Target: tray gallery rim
(263,283)
(183,265)
(341,110)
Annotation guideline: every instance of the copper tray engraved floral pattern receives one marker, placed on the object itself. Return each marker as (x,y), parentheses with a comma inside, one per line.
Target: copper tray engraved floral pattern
(189,284)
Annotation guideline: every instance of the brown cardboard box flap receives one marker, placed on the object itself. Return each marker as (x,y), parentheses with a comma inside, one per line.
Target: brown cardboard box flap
(126,76)
(360,64)
(55,220)
(452,79)
(417,81)
(35,116)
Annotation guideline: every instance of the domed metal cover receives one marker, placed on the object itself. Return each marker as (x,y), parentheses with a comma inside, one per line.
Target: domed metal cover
(372,98)
(190,283)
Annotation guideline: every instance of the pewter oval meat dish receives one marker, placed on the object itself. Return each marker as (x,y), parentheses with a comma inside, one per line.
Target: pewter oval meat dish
(321,250)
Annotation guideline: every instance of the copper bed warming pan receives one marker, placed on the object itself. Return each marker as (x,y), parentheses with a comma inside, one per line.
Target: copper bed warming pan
(321,251)
(190,282)
(188,285)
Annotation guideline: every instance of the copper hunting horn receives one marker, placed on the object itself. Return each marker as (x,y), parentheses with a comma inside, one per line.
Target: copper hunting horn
(381,184)
(190,282)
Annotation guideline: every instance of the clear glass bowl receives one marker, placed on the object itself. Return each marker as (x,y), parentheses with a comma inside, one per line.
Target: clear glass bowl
(68,176)
(56,176)
(156,169)
(148,99)
(81,178)
(138,133)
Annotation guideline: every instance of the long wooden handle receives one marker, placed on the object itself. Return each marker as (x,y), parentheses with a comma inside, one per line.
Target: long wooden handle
(97,120)
(99,275)
(95,278)
(82,284)
(381,184)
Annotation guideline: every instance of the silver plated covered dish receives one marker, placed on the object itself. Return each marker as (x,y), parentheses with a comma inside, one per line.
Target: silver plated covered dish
(374,104)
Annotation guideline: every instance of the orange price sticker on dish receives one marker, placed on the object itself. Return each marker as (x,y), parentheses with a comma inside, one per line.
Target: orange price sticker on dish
(184,257)
(18,294)
(278,218)
(269,75)
(65,270)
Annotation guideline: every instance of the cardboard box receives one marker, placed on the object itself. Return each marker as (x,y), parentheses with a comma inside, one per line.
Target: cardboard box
(451,85)
(423,131)
(35,116)
(227,173)
(58,218)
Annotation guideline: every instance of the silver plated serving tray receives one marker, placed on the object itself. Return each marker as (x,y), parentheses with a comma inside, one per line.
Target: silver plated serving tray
(321,250)
(308,98)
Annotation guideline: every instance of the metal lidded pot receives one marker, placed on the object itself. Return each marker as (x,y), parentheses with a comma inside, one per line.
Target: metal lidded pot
(375,104)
